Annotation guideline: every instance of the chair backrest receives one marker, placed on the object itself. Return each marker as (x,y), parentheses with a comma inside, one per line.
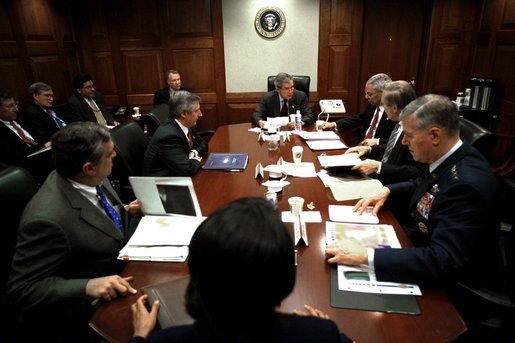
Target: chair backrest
(301,83)
(130,144)
(16,189)
(475,135)
(158,115)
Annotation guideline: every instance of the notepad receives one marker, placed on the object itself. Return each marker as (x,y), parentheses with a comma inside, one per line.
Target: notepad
(226,161)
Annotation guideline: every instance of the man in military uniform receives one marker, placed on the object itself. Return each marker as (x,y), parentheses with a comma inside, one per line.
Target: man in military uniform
(454,224)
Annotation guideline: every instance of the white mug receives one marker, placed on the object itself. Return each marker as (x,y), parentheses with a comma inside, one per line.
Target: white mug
(296,204)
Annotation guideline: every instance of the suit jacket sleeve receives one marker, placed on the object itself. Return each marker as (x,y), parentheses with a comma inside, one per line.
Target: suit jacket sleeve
(173,153)
(262,111)
(307,114)
(199,143)
(40,125)
(358,120)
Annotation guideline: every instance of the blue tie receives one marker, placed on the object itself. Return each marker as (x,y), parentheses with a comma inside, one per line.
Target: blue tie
(58,121)
(110,211)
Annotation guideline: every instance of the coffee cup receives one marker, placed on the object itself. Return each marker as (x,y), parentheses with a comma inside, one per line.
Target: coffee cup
(319,124)
(273,143)
(136,110)
(297,154)
(296,204)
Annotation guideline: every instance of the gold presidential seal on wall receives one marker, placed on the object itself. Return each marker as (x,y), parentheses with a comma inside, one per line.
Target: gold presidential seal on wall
(270,22)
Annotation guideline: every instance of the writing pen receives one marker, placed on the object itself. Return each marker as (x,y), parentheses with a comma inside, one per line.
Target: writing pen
(232,170)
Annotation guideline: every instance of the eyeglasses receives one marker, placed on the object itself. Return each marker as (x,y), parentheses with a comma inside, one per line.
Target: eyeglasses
(11,106)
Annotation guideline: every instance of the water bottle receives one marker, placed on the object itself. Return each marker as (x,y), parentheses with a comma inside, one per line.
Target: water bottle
(298,122)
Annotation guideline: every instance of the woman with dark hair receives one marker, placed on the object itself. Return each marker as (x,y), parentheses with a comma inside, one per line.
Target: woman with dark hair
(242,266)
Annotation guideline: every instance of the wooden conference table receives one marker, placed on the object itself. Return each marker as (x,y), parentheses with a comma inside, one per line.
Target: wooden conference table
(439,321)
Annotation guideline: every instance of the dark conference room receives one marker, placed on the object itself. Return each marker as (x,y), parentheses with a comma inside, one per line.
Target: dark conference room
(112,62)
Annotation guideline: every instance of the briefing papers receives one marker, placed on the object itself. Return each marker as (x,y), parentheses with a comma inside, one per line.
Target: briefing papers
(343,160)
(322,140)
(161,238)
(357,279)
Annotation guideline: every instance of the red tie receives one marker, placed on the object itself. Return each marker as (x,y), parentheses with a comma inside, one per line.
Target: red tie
(373,124)
(22,135)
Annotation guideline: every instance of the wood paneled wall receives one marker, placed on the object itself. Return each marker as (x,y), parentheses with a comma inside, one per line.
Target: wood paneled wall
(127,45)
(36,44)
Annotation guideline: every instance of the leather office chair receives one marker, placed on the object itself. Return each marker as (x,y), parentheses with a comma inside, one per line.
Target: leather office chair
(300,82)
(130,144)
(158,115)
(17,187)
(476,135)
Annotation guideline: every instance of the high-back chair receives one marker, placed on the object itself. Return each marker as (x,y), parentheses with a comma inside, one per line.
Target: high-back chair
(130,144)
(476,135)
(157,116)
(301,83)
(17,186)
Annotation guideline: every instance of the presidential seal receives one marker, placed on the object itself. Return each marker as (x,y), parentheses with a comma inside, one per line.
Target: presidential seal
(270,22)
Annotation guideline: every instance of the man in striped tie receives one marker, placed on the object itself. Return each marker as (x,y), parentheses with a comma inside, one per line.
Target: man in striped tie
(41,117)
(69,238)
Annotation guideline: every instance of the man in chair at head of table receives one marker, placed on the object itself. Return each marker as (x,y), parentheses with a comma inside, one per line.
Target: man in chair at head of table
(176,149)
(69,238)
(283,101)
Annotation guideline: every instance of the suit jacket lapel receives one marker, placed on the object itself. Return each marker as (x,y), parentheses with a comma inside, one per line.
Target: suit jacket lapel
(185,143)
(88,211)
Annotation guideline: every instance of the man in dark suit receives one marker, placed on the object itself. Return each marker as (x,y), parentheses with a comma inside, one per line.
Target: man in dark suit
(86,104)
(69,237)
(40,117)
(372,123)
(16,141)
(453,206)
(392,161)
(283,101)
(176,149)
(173,79)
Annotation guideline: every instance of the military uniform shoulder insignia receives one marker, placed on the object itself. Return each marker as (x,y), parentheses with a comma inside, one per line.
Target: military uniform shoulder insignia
(454,173)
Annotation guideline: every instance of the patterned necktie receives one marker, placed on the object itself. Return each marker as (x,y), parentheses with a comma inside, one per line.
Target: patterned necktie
(21,133)
(58,121)
(373,124)
(98,114)
(284,109)
(110,211)
(190,138)
(391,143)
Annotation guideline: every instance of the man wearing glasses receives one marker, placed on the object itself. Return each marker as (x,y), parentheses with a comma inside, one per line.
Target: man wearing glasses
(372,124)
(86,104)
(16,142)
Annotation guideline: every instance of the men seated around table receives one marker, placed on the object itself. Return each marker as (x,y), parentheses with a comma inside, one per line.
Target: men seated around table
(453,206)
(40,117)
(372,123)
(176,149)
(282,102)
(391,162)
(242,266)
(16,141)
(86,103)
(173,79)
(70,233)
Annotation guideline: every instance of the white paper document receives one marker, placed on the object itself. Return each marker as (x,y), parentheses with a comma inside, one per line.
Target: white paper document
(276,121)
(303,169)
(342,160)
(317,135)
(363,279)
(328,179)
(161,238)
(332,144)
(344,213)
(351,190)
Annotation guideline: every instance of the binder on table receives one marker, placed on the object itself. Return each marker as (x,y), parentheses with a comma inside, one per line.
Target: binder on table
(390,303)
(226,161)
(172,309)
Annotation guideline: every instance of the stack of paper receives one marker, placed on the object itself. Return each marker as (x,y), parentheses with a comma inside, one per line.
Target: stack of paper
(332,144)
(161,238)
(343,213)
(343,160)
(362,279)
(318,135)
